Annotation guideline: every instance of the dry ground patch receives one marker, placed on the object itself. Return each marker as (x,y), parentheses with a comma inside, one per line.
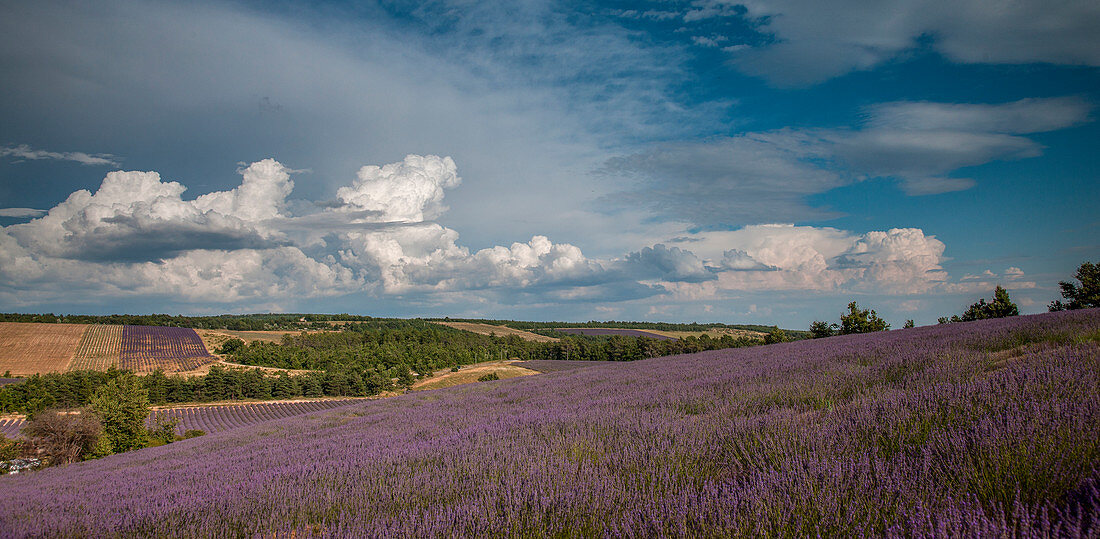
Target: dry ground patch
(29,348)
(500,331)
(215,338)
(470,373)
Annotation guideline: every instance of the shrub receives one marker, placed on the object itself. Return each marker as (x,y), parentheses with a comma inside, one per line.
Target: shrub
(63,437)
(489,377)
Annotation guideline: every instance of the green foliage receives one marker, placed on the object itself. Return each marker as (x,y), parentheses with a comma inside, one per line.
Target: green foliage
(820,329)
(909,324)
(1081,296)
(861,321)
(192,433)
(122,405)
(163,430)
(240,322)
(1001,307)
(489,377)
(776,336)
(9,449)
(230,346)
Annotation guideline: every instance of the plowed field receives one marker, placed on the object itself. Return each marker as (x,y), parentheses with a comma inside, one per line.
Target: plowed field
(27,348)
(99,349)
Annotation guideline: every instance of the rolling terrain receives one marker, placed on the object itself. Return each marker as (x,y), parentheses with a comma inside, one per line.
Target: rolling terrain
(989,428)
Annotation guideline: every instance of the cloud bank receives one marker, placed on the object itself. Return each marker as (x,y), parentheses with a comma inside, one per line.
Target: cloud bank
(138,236)
(813,41)
(766,176)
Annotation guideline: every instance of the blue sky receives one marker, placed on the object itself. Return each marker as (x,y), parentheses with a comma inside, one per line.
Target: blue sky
(755,162)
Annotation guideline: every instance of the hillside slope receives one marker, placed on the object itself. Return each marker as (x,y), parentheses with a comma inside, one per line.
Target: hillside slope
(984,428)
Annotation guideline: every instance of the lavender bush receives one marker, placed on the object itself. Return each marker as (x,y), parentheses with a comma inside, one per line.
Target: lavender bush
(988,428)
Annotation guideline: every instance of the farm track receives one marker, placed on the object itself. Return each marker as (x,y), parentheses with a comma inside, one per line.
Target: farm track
(100,348)
(29,348)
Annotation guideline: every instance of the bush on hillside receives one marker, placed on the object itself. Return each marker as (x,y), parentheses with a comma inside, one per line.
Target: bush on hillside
(1084,295)
(63,437)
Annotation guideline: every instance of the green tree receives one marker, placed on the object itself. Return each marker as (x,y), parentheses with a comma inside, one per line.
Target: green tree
(776,336)
(231,346)
(1001,307)
(861,321)
(820,329)
(122,405)
(909,324)
(9,449)
(1080,296)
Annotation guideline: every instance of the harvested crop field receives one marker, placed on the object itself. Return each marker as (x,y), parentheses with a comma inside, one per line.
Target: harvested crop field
(171,349)
(30,348)
(500,331)
(100,348)
(615,331)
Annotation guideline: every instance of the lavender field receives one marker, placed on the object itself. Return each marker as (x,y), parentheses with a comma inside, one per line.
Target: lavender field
(987,428)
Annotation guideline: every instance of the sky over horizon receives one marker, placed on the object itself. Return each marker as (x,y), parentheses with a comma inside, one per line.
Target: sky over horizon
(762,161)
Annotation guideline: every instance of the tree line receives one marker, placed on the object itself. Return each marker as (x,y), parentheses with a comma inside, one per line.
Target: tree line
(237,322)
(1083,294)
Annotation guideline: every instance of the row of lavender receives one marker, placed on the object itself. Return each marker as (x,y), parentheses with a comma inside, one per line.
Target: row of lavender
(215,418)
(976,429)
(218,418)
(145,348)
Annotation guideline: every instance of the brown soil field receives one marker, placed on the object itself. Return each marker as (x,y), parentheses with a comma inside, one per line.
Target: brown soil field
(99,349)
(470,373)
(29,348)
(500,331)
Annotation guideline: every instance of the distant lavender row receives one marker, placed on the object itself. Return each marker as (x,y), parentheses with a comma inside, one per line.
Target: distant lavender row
(613,331)
(216,418)
(556,365)
(145,348)
(231,416)
(988,428)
